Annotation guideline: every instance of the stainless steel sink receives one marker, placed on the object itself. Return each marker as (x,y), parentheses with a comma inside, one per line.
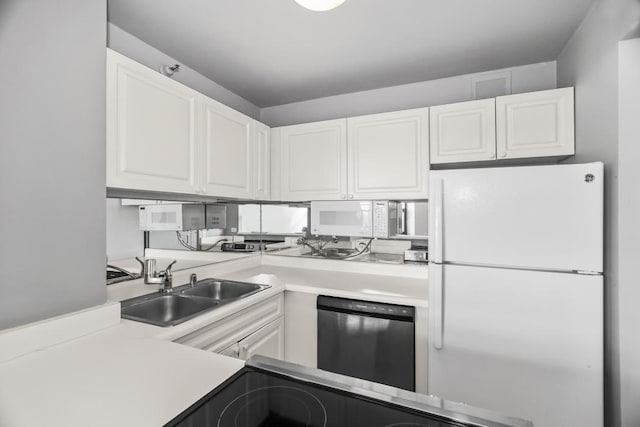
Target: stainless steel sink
(165,310)
(186,301)
(222,290)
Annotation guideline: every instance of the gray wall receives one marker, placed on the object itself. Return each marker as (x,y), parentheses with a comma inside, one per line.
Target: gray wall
(629,225)
(589,62)
(52,158)
(527,78)
(134,48)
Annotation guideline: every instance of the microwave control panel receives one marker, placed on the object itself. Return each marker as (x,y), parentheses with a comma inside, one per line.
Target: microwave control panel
(381,219)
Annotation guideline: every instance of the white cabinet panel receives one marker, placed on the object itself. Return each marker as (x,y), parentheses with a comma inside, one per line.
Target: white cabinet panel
(268,341)
(535,124)
(301,328)
(262,161)
(389,155)
(151,129)
(227,151)
(314,161)
(220,335)
(463,132)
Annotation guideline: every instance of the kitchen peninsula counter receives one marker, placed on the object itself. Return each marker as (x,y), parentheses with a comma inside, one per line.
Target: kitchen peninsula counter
(84,369)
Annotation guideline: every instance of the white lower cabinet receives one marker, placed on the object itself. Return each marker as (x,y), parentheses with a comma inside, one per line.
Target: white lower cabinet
(267,341)
(258,329)
(301,328)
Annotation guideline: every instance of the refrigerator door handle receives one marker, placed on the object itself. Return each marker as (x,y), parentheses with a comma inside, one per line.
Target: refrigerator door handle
(438,201)
(436,303)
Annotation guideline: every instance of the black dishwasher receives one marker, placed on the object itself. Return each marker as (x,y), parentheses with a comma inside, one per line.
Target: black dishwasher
(369,340)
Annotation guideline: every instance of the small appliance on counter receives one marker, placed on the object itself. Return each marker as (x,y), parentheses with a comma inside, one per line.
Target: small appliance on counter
(269,392)
(242,247)
(417,254)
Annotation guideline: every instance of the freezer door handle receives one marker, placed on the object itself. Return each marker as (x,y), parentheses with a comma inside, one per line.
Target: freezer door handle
(438,201)
(437,306)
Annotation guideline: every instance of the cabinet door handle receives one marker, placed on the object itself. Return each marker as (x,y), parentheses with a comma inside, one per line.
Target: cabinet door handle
(351,196)
(503,154)
(245,350)
(492,156)
(342,196)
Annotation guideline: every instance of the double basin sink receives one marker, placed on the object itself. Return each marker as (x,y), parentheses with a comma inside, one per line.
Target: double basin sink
(186,302)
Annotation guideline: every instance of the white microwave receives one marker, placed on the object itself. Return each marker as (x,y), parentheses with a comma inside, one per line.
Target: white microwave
(384,219)
(181,217)
(342,218)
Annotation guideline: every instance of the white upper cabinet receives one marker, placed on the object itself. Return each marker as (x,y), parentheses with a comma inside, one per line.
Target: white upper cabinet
(535,124)
(262,161)
(151,129)
(526,125)
(463,132)
(227,151)
(163,136)
(389,155)
(313,161)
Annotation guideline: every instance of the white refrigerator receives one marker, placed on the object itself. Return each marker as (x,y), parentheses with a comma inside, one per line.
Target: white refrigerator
(516,291)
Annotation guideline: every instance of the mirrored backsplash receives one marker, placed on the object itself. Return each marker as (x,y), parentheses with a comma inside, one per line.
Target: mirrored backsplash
(279,229)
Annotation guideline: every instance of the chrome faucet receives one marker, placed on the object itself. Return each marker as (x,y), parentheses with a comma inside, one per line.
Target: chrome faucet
(152,277)
(168,279)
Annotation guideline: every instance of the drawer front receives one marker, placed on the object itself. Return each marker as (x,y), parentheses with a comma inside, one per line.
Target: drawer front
(223,333)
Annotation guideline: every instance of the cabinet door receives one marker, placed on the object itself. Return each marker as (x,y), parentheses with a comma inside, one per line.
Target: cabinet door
(227,151)
(262,161)
(314,161)
(535,124)
(389,155)
(222,334)
(151,123)
(463,132)
(268,341)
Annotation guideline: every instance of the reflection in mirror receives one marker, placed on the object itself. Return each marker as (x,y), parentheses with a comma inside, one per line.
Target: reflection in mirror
(238,227)
(412,220)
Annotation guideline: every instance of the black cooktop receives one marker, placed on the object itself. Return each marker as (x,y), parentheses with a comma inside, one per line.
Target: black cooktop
(255,397)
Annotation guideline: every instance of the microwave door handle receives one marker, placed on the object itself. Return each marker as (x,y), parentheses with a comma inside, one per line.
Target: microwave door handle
(403,219)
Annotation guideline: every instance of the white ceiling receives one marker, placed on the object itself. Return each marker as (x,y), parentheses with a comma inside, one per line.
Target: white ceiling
(273,52)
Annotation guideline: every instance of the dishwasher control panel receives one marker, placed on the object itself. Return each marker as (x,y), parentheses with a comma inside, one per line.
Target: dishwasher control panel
(365,307)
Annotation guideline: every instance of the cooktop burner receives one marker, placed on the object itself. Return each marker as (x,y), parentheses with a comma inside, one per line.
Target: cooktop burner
(270,393)
(276,405)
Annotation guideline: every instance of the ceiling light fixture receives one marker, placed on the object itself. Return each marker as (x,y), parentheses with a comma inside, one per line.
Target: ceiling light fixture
(320,5)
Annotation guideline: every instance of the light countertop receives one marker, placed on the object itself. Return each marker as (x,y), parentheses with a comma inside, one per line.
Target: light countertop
(130,373)
(107,380)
